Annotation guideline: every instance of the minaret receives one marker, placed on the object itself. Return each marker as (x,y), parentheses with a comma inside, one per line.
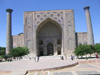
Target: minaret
(89,26)
(8,31)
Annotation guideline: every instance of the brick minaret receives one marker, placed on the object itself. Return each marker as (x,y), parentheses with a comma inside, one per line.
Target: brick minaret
(89,26)
(8,31)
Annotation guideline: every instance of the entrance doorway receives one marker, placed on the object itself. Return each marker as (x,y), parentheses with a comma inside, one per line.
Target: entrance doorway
(41,51)
(59,50)
(50,49)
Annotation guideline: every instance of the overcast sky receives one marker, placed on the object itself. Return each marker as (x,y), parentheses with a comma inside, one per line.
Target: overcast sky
(20,6)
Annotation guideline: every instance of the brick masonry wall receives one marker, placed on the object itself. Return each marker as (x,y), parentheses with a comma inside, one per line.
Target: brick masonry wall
(81,38)
(18,40)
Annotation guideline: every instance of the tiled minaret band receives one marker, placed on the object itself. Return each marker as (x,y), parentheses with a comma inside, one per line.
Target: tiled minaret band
(89,26)
(8,31)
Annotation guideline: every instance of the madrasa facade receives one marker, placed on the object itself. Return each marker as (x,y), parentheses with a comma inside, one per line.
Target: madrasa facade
(52,32)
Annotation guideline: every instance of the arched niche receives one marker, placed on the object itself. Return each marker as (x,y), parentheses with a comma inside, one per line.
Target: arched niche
(40,42)
(48,29)
(59,50)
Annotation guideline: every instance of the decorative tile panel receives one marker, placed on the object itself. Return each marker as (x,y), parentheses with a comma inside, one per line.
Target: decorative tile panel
(69,17)
(57,16)
(29,19)
(70,44)
(70,31)
(29,44)
(28,32)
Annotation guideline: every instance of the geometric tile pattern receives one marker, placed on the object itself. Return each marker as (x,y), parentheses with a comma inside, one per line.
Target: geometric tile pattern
(69,17)
(69,30)
(29,19)
(57,16)
(29,44)
(70,44)
(28,32)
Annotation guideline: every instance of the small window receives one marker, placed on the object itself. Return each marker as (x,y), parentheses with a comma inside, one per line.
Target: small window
(41,42)
(58,41)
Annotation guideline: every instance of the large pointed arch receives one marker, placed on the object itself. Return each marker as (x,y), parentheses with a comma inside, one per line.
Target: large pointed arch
(47,36)
(47,20)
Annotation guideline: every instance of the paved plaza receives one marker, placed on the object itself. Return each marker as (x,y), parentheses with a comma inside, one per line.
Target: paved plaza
(20,67)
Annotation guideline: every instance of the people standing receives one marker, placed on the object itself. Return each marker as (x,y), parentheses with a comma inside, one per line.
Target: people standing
(36,58)
(71,57)
(96,55)
(65,57)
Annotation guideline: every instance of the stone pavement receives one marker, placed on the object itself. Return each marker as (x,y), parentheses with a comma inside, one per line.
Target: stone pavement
(20,67)
(80,69)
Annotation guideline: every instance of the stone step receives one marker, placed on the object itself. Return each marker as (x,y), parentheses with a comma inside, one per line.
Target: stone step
(43,57)
(49,57)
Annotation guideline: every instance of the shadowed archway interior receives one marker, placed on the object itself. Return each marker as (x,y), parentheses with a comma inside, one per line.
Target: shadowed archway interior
(49,32)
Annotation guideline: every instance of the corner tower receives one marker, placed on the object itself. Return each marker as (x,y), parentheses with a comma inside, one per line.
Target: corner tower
(8,31)
(89,26)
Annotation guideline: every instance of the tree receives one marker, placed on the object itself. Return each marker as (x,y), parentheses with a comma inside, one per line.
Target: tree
(19,51)
(2,51)
(91,49)
(97,48)
(84,50)
(76,52)
(79,51)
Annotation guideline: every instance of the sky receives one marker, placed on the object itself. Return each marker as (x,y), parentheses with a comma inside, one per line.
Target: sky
(20,6)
